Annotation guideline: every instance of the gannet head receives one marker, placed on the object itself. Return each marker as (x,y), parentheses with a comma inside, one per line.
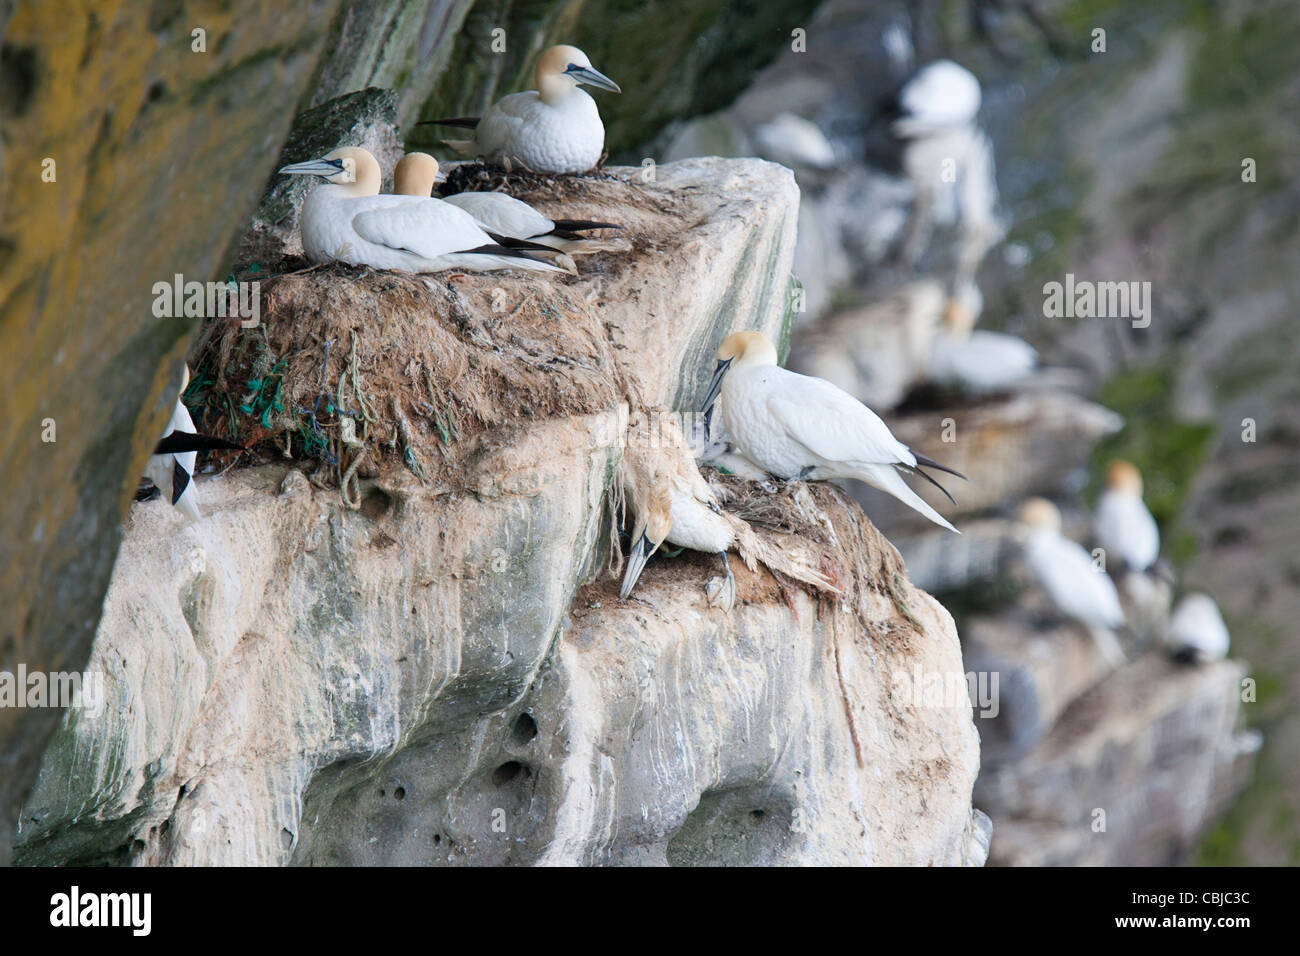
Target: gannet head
(348,166)
(739,350)
(562,69)
(654,522)
(1039,513)
(1124,476)
(414,175)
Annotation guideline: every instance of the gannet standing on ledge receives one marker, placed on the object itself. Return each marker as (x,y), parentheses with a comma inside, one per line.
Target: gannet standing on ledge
(1124,526)
(501,215)
(1065,571)
(555,128)
(801,427)
(347,220)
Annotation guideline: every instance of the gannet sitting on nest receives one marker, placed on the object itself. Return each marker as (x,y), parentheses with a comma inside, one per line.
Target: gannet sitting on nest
(1065,571)
(505,217)
(170,468)
(1196,633)
(555,128)
(1124,526)
(674,504)
(347,220)
(977,361)
(801,427)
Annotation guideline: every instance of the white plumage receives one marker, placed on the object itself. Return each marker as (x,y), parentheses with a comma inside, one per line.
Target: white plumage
(1066,572)
(1123,525)
(794,142)
(555,128)
(162,469)
(797,426)
(1197,631)
(981,361)
(346,220)
(938,96)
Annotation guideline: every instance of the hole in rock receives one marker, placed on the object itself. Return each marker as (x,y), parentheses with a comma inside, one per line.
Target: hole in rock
(506,772)
(376,503)
(400,793)
(525,730)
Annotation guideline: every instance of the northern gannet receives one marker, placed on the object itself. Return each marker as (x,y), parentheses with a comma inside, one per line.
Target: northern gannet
(503,216)
(171,467)
(347,220)
(1124,527)
(1196,631)
(1065,571)
(674,504)
(799,427)
(683,512)
(978,361)
(555,128)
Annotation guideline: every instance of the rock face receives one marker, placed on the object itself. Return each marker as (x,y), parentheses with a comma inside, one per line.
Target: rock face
(160,150)
(446,675)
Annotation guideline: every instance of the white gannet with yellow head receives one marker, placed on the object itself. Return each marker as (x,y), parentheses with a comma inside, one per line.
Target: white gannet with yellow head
(1066,572)
(555,128)
(800,427)
(347,220)
(502,216)
(660,481)
(978,361)
(1123,525)
(1196,633)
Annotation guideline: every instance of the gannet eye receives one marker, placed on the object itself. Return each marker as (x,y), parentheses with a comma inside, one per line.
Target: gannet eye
(349,167)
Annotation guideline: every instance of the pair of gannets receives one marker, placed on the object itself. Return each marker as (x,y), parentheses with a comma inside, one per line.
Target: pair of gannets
(1123,525)
(555,128)
(170,468)
(800,427)
(1074,584)
(347,220)
(504,216)
(674,505)
(978,361)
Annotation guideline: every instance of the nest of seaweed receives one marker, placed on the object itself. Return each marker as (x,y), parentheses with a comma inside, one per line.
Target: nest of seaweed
(366,372)
(471,177)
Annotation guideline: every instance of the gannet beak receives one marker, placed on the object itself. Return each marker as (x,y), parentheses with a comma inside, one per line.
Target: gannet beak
(715,386)
(636,564)
(314,167)
(592,77)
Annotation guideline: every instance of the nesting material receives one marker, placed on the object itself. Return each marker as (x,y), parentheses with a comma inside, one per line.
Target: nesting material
(407,371)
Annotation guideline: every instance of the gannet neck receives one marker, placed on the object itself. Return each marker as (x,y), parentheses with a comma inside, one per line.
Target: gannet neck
(415,175)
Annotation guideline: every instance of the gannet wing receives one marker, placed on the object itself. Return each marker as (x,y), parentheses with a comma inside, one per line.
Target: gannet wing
(428,228)
(834,425)
(502,214)
(504,122)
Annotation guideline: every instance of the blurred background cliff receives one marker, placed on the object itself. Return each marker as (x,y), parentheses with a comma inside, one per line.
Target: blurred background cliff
(1122,165)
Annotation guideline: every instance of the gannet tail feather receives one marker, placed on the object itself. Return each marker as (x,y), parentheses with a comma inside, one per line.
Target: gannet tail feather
(176,443)
(931,463)
(917,471)
(465,122)
(890,481)
(563,226)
